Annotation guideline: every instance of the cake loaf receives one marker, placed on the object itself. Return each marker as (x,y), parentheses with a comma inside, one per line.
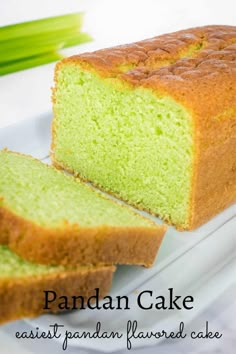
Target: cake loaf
(153,122)
(22,285)
(49,217)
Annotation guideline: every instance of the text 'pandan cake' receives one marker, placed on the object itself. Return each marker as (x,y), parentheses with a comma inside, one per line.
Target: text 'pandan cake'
(22,285)
(49,217)
(153,122)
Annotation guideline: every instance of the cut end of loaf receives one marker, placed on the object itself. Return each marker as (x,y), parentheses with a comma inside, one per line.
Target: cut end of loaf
(131,142)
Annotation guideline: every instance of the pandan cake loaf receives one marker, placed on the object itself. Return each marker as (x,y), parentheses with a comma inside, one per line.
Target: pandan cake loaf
(49,217)
(153,122)
(22,285)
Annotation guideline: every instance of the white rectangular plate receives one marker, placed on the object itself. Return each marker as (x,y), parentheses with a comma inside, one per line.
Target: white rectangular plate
(201,263)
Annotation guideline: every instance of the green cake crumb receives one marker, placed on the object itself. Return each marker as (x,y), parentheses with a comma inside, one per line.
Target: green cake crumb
(127,141)
(50,198)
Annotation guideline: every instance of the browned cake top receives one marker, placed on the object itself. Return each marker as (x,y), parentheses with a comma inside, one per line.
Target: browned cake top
(196,66)
(183,55)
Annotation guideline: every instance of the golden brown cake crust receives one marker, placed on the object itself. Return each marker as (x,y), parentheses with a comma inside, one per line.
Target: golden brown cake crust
(24,297)
(197,67)
(74,244)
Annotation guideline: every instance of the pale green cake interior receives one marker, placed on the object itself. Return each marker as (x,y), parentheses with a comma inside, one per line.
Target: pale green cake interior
(13,266)
(49,197)
(128,141)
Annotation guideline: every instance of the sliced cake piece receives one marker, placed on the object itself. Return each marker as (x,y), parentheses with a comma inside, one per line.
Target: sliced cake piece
(22,285)
(49,217)
(153,122)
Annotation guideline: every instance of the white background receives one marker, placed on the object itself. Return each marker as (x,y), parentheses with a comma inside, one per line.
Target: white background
(26,94)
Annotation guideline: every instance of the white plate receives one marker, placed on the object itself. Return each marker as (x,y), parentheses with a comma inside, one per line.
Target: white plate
(201,263)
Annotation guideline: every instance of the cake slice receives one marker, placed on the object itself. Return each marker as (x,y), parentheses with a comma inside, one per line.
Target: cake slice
(153,122)
(22,285)
(49,217)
